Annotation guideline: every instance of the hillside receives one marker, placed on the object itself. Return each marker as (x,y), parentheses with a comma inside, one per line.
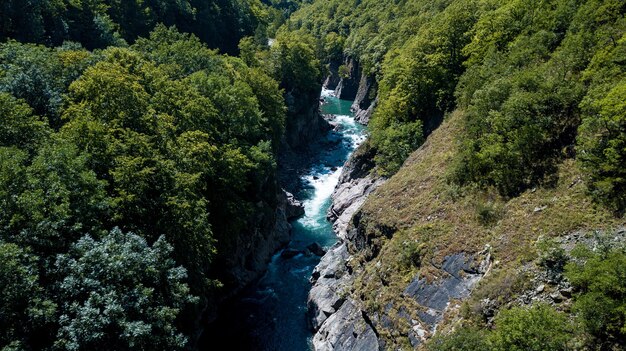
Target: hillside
(497,128)
(411,226)
(146,145)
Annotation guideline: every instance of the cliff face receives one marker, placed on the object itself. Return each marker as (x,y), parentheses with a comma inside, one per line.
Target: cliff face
(304,122)
(337,319)
(417,248)
(359,86)
(244,257)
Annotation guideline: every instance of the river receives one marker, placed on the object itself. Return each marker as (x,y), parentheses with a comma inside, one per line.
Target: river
(271,314)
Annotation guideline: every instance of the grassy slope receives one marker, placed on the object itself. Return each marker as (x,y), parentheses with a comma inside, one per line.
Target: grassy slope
(419,205)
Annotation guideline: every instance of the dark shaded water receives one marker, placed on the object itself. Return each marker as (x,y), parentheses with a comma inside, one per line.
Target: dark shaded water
(271,315)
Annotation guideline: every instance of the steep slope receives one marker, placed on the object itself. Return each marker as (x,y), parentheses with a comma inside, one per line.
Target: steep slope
(419,246)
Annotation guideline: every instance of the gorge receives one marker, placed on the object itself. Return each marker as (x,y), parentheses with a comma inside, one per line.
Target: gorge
(428,175)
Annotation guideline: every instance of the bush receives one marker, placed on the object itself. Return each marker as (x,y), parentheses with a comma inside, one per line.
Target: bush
(462,339)
(120,293)
(602,147)
(600,278)
(552,257)
(394,144)
(537,328)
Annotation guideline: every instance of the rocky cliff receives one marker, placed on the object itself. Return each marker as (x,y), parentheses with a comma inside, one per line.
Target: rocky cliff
(304,123)
(340,318)
(334,315)
(358,85)
(244,257)
(417,249)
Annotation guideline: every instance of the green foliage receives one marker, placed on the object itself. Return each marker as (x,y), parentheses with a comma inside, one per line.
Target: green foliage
(523,88)
(295,62)
(101,23)
(120,293)
(20,128)
(165,139)
(23,306)
(394,144)
(537,328)
(62,198)
(462,339)
(489,212)
(519,69)
(40,75)
(600,279)
(553,258)
(411,254)
(602,146)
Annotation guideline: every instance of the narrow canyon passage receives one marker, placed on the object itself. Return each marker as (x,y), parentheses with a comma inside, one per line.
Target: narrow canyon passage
(271,315)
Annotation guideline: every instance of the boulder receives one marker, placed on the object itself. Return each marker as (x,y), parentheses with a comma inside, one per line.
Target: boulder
(346,330)
(293,208)
(316,249)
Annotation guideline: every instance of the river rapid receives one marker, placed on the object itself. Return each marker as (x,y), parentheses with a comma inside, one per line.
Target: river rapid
(271,314)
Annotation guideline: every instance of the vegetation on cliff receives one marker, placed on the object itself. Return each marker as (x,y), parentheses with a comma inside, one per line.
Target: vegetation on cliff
(540,82)
(531,147)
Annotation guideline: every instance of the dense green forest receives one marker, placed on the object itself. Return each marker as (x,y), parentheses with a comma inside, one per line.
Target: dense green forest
(101,23)
(129,154)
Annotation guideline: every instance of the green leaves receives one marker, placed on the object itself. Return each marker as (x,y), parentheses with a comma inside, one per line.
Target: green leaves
(534,329)
(120,293)
(22,305)
(600,303)
(166,139)
(20,128)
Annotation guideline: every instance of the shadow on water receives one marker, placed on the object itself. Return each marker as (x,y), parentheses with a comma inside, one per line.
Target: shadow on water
(271,314)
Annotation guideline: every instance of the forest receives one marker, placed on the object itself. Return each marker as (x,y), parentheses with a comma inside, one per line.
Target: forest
(131,149)
(539,81)
(139,138)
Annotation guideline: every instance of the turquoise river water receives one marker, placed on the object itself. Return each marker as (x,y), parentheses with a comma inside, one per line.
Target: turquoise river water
(271,315)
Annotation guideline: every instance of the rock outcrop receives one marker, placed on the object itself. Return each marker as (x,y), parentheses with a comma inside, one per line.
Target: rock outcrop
(336,313)
(332,80)
(246,256)
(359,86)
(337,319)
(346,330)
(355,184)
(255,249)
(304,122)
(347,199)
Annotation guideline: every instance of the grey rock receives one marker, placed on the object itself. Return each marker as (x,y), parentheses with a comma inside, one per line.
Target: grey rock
(364,116)
(435,296)
(294,208)
(540,288)
(556,297)
(348,198)
(328,278)
(316,249)
(348,87)
(346,330)
(304,122)
(362,106)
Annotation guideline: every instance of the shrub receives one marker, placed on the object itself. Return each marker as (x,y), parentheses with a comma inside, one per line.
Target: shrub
(537,328)
(462,339)
(600,278)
